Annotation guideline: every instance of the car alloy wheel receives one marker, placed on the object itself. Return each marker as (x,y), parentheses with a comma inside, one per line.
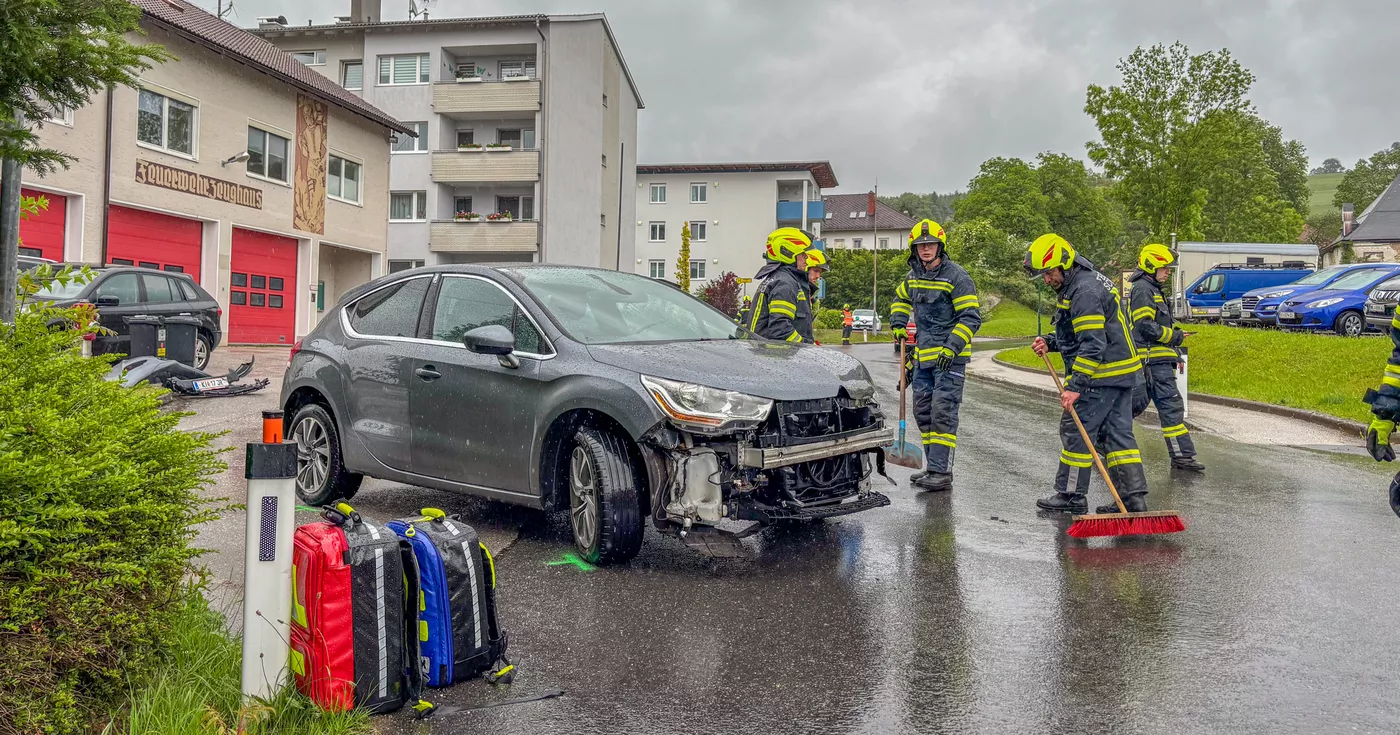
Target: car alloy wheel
(583,499)
(313,455)
(1351,324)
(201,353)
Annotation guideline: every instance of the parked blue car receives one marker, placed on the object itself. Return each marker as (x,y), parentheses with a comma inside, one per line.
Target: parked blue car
(1225,282)
(1260,306)
(1339,307)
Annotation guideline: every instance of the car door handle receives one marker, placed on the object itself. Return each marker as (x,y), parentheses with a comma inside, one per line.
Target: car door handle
(427,373)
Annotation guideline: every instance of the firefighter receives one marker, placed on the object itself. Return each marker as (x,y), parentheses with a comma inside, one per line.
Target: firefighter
(1385,405)
(743,316)
(847,321)
(780,306)
(816,268)
(1092,336)
(1156,339)
(942,300)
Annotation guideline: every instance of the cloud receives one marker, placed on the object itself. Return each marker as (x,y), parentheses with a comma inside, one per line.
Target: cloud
(917,94)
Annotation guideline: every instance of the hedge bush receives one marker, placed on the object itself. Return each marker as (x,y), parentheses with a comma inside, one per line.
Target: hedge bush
(99,500)
(828,319)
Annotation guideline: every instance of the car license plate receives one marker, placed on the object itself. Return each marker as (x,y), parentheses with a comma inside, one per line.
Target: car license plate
(1286,315)
(210,384)
(1247,313)
(1375,309)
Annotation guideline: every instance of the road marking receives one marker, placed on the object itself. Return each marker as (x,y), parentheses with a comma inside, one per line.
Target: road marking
(571,559)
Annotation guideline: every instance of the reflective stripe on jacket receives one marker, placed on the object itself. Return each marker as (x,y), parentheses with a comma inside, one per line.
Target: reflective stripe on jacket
(1091,332)
(943,304)
(1154,332)
(780,307)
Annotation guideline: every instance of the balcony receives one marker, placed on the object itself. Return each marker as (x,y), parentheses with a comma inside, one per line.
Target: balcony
(477,98)
(792,211)
(485,166)
(446,236)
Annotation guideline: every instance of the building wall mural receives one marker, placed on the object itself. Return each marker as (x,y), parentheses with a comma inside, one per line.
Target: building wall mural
(309,207)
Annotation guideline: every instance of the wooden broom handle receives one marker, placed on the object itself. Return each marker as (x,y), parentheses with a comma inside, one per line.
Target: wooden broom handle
(1085,435)
(903,371)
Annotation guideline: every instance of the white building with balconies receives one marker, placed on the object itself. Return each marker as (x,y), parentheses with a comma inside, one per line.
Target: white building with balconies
(527,132)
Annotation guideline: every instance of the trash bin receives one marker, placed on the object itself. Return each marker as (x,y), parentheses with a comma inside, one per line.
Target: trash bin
(147,337)
(180,335)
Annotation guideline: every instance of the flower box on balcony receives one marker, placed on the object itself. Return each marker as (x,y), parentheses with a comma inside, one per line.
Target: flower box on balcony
(517,78)
(466,217)
(464,80)
(497,147)
(469,147)
(498,217)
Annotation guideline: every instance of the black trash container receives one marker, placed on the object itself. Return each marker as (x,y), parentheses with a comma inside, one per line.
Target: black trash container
(147,336)
(180,335)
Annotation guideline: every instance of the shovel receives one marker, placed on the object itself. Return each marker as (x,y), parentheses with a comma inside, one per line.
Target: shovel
(902,452)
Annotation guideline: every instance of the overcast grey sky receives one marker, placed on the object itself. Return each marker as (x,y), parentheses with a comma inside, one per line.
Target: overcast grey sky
(919,93)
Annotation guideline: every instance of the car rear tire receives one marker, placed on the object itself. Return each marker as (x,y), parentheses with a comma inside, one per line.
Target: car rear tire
(605,514)
(1350,324)
(202,348)
(321,475)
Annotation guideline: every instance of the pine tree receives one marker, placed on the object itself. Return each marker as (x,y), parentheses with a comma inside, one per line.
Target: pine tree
(683,262)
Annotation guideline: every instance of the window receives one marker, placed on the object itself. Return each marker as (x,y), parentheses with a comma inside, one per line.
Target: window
(343,180)
(352,74)
(518,69)
(1253,261)
(160,290)
(1211,284)
(658,193)
(165,123)
(391,311)
(398,266)
(408,206)
(123,286)
(855,243)
(884,243)
(464,304)
(527,208)
(404,69)
(520,139)
(407,144)
(267,155)
(699,193)
(187,290)
(465,137)
(509,204)
(658,232)
(658,268)
(697,269)
(697,231)
(461,205)
(61,115)
(311,58)
(841,242)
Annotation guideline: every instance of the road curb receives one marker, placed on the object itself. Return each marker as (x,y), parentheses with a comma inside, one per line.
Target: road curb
(1034,390)
(1312,417)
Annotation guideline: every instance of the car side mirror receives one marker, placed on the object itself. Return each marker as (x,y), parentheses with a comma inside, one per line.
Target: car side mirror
(108,301)
(492,339)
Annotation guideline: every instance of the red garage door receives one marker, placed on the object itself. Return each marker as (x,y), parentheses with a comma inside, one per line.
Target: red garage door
(150,240)
(262,289)
(41,235)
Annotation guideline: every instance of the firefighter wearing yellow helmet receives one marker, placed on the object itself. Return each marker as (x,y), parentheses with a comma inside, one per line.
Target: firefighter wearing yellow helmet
(1092,336)
(1157,338)
(942,300)
(781,307)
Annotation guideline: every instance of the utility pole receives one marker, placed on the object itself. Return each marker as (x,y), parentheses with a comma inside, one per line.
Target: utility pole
(875,252)
(9,237)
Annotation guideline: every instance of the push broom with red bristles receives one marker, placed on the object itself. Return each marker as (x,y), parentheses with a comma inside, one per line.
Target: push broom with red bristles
(1122,523)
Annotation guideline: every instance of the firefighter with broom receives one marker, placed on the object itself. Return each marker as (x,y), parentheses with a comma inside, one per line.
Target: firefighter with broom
(1093,338)
(1157,339)
(781,310)
(942,300)
(1385,405)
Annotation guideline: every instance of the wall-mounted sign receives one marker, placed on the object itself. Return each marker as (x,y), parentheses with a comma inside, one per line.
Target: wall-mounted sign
(190,182)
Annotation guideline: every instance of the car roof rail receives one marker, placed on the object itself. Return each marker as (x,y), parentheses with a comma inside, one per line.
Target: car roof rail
(1285,265)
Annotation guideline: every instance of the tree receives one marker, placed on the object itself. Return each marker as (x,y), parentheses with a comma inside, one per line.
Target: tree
(722,293)
(683,261)
(1323,228)
(1006,193)
(848,279)
(934,206)
(1289,162)
(1365,181)
(1329,166)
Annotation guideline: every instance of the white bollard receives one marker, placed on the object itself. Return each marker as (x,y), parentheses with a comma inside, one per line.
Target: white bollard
(267,559)
(1181,383)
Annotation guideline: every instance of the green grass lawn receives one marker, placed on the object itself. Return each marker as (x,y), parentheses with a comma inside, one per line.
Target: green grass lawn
(1322,187)
(1010,319)
(833,336)
(1314,372)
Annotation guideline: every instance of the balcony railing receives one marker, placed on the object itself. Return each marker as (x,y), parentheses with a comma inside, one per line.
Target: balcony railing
(792,211)
(451,98)
(485,165)
(447,236)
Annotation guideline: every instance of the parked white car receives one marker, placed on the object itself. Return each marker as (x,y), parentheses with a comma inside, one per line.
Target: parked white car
(865,320)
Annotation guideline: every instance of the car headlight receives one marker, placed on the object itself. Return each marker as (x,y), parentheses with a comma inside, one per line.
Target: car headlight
(1324,303)
(703,407)
(1276,294)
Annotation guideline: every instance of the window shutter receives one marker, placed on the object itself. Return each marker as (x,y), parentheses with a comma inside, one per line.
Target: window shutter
(354,75)
(405,69)
(424,70)
(384,69)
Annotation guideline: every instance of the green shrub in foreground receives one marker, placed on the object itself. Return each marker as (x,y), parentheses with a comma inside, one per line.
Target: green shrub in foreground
(98,504)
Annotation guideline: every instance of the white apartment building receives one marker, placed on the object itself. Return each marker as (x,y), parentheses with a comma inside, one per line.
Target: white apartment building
(527,131)
(731,208)
(849,226)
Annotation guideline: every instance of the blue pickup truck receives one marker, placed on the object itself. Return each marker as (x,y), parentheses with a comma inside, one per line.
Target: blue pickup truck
(1229,281)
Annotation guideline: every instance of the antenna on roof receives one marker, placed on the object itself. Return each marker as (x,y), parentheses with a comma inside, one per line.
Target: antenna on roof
(224,10)
(418,8)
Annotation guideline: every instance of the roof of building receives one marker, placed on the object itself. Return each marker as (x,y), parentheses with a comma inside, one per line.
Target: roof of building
(203,28)
(280,30)
(820,170)
(840,207)
(1380,222)
(1249,248)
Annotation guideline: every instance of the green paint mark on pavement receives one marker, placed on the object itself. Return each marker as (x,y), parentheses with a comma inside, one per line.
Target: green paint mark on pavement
(306,508)
(571,559)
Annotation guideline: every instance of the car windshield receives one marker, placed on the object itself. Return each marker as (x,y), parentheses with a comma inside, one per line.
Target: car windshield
(56,291)
(863,312)
(1318,278)
(604,307)
(1391,285)
(1353,281)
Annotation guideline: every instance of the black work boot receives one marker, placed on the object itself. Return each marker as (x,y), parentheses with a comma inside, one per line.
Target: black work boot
(1187,463)
(1064,503)
(1134,503)
(933,481)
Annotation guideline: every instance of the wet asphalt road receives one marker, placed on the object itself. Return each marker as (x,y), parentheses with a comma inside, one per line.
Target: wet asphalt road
(968,612)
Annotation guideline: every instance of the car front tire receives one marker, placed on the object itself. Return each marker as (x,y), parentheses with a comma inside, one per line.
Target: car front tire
(605,512)
(1350,324)
(321,475)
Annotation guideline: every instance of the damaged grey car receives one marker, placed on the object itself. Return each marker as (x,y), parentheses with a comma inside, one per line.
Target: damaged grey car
(610,395)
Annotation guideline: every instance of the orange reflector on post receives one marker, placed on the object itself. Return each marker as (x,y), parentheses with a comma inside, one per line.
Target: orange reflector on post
(272,427)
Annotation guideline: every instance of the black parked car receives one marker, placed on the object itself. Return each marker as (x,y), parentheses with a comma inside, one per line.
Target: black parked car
(123,291)
(610,394)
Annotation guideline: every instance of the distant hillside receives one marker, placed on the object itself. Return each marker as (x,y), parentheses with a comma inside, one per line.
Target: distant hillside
(1323,188)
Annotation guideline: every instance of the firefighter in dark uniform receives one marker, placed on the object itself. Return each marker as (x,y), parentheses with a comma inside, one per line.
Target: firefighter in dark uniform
(743,316)
(1385,405)
(1157,339)
(942,300)
(781,309)
(1092,336)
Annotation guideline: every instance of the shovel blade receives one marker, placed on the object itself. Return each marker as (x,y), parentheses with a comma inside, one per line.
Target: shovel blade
(904,454)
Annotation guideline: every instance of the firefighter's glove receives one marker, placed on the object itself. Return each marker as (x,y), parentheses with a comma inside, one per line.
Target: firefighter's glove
(1378,440)
(900,333)
(1177,338)
(944,360)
